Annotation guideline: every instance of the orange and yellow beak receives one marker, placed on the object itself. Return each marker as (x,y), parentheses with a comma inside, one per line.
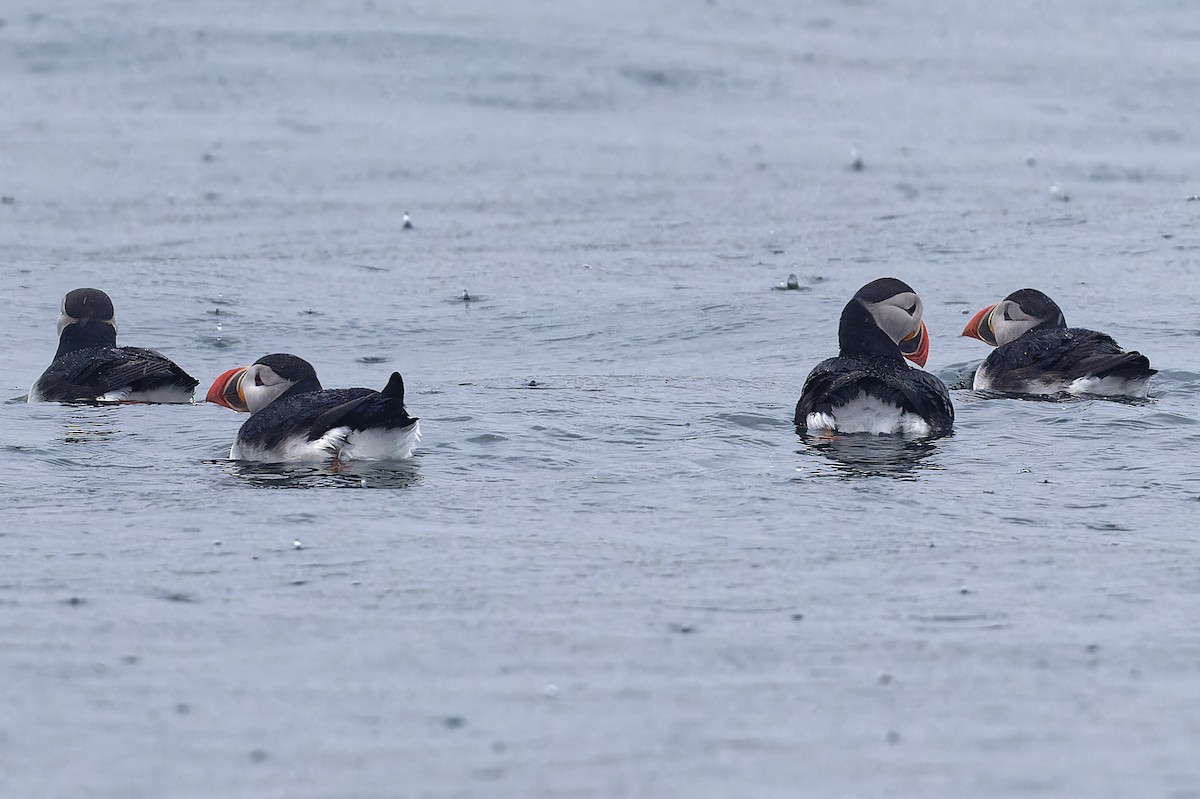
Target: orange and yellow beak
(227,390)
(915,347)
(980,326)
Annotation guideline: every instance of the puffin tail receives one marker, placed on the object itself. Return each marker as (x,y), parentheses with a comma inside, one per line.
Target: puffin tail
(395,387)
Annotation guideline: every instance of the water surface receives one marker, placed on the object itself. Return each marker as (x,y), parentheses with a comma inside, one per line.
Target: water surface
(613,568)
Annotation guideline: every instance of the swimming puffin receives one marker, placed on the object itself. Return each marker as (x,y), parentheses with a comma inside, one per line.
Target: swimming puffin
(293,419)
(90,367)
(868,388)
(1036,353)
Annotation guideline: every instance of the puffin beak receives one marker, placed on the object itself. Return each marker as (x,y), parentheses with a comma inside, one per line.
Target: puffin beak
(980,326)
(227,390)
(915,346)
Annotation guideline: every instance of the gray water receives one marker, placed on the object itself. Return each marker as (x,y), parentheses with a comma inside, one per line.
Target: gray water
(613,568)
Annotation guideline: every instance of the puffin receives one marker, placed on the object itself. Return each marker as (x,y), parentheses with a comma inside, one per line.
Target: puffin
(292,418)
(868,387)
(1036,353)
(90,367)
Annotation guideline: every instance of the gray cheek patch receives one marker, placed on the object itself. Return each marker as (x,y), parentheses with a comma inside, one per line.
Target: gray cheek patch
(63,321)
(893,318)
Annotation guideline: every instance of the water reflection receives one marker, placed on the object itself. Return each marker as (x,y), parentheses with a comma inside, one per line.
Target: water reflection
(90,425)
(283,475)
(866,455)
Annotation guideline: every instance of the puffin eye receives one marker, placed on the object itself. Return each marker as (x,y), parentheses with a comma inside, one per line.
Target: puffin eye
(258,380)
(912,309)
(1007,318)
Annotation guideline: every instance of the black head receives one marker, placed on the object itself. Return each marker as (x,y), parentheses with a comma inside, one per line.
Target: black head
(86,320)
(1014,316)
(1037,305)
(81,304)
(883,288)
(289,367)
(884,318)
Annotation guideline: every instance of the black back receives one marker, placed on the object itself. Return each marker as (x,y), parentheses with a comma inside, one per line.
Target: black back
(314,413)
(85,374)
(1064,354)
(837,381)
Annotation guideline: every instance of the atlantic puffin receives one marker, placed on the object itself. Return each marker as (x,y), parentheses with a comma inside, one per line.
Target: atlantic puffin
(90,367)
(292,418)
(868,388)
(1036,353)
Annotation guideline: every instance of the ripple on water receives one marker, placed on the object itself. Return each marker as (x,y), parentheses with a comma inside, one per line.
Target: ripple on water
(270,475)
(860,455)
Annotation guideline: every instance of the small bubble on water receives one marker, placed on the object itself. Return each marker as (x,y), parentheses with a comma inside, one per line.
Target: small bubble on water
(297,545)
(216,543)
(550,691)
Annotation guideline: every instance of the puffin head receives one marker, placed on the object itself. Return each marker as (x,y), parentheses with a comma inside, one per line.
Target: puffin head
(1014,316)
(254,387)
(894,309)
(86,319)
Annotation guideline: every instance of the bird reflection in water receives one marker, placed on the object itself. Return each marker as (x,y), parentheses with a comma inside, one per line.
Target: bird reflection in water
(280,475)
(867,455)
(90,425)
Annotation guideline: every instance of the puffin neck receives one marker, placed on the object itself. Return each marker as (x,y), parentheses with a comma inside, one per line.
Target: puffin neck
(303,387)
(1056,323)
(859,334)
(86,334)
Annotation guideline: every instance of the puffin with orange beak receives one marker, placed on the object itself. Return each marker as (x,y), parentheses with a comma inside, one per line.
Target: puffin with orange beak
(868,388)
(1036,353)
(292,418)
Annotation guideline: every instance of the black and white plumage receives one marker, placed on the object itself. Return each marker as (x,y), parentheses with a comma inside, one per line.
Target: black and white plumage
(292,418)
(1036,353)
(90,367)
(868,388)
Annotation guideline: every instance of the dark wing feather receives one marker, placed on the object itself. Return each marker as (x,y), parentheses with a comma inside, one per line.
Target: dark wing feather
(297,413)
(375,410)
(1066,354)
(837,381)
(89,373)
